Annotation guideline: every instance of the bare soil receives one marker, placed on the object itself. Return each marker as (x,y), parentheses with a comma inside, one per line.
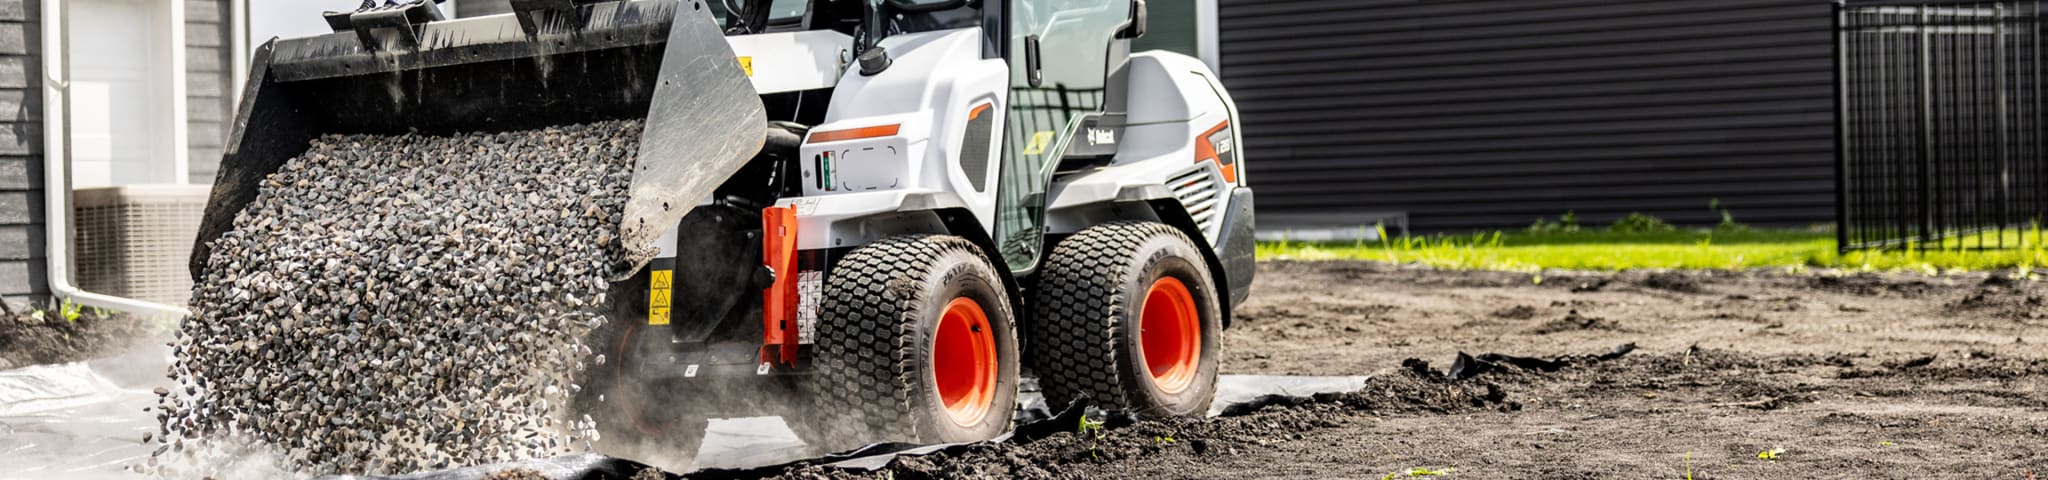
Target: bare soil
(26,340)
(1851,375)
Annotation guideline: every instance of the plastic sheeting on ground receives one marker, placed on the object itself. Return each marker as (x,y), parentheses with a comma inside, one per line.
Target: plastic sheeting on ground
(85,421)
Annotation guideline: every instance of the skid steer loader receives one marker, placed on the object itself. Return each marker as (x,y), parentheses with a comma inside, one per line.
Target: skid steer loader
(869,217)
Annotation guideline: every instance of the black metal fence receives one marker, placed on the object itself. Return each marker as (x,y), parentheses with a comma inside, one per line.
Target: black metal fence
(1940,127)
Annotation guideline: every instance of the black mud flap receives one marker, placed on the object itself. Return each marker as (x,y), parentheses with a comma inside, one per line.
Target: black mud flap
(1238,247)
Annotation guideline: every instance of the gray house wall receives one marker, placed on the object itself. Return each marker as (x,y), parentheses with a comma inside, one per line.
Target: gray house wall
(1489,114)
(23,271)
(21,162)
(208,101)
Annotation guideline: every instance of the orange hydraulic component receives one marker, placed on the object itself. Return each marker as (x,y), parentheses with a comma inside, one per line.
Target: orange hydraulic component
(1170,332)
(964,364)
(1205,151)
(779,300)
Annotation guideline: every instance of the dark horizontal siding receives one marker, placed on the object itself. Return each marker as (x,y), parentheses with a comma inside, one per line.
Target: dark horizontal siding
(21,162)
(207,50)
(478,8)
(1475,115)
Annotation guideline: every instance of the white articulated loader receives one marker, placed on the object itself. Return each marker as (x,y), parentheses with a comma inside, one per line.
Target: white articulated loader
(869,217)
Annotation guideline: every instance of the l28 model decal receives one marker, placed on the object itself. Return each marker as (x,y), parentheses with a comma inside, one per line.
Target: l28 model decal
(1218,145)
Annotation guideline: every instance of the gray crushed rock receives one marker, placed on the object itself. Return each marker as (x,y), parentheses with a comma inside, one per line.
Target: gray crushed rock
(389,304)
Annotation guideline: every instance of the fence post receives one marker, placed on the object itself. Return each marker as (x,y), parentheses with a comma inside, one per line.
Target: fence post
(1842,220)
(1925,70)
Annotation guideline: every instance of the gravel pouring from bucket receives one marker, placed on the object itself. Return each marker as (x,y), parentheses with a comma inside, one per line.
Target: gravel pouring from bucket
(388,70)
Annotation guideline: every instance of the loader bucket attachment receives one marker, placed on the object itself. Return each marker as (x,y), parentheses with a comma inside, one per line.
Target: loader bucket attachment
(551,62)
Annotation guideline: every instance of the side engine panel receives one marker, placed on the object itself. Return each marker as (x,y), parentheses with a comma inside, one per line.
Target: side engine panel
(1180,162)
(1180,142)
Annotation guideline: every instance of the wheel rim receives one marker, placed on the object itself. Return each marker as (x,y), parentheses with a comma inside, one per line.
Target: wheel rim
(1170,334)
(964,362)
(629,398)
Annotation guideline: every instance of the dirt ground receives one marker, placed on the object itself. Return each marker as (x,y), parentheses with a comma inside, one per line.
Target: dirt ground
(1851,375)
(26,340)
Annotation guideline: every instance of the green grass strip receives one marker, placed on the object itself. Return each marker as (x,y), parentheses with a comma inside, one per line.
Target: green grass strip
(1675,249)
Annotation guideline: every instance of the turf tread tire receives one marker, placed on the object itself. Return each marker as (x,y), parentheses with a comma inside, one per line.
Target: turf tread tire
(869,363)
(1085,289)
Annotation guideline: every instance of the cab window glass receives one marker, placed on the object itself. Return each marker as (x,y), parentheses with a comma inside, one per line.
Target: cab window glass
(1073,39)
(779,11)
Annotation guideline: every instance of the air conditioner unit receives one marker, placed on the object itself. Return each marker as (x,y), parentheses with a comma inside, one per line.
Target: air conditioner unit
(133,241)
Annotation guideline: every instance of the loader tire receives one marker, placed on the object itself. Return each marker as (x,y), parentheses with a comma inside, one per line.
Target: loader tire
(915,342)
(636,417)
(1127,317)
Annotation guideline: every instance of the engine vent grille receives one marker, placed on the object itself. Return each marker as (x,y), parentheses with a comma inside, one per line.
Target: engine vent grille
(1197,191)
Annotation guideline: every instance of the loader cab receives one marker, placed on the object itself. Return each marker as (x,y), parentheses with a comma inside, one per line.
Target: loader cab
(1063,55)
(768,16)
(1066,59)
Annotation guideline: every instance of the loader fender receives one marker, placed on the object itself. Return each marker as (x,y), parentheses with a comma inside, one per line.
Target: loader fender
(844,222)
(1230,262)
(1171,212)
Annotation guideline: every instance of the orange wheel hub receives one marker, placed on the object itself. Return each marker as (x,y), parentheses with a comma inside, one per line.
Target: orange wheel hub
(964,362)
(1170,333)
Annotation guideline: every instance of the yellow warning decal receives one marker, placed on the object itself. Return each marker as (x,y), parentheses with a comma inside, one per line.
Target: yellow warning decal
(1039,141)
(658,296)
(747,63)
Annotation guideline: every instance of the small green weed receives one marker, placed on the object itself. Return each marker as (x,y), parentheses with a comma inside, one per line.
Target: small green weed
(67,309)
(1419,472)
(1569,222)
(71,311)
(1688,465)
(1728,223)
(1637,222)
(1093,429)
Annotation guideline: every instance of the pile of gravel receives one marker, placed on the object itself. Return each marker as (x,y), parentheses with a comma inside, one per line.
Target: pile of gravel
(389,304)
